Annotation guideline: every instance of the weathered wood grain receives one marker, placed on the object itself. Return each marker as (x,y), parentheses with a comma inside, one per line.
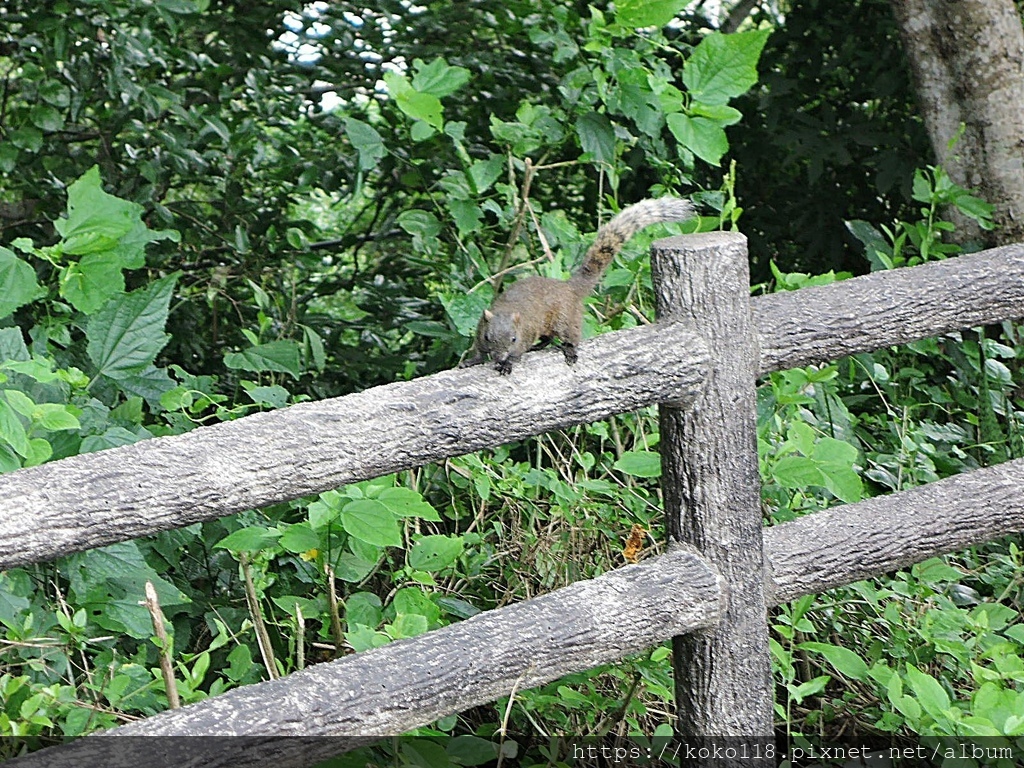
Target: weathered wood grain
(99,498)
(823,323)
(879,535)
(359,698)
(95,499)
(385,691)
(712,494)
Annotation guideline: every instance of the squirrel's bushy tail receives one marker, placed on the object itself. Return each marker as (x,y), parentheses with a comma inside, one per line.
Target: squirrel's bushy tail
(623,226)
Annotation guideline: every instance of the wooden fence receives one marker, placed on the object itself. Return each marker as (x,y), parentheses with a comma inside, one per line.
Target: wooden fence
(709,591)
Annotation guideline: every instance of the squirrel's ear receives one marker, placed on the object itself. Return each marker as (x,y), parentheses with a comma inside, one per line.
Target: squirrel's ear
(515,317)
(488,315)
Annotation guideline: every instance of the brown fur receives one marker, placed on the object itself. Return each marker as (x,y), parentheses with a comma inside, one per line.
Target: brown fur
(536,310)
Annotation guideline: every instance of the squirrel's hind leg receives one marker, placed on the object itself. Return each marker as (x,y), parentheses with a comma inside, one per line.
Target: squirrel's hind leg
(569,350)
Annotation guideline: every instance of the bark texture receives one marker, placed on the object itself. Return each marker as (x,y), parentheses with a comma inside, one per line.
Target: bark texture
(967,59)
(712,494)
(413,682)
(100,498)
(856,541)
(823,323)
(386,691)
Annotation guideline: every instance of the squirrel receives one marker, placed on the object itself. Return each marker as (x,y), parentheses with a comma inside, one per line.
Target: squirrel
(534,310)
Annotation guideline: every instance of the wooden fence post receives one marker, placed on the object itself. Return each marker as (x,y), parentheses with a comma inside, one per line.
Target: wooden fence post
(712,491)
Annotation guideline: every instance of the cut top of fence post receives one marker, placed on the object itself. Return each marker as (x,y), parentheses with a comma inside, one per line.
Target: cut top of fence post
(711,489)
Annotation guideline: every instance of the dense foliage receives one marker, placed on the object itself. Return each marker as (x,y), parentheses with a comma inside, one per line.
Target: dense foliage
(213,208)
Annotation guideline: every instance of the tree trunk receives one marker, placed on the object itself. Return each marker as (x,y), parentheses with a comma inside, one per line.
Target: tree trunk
(967,60)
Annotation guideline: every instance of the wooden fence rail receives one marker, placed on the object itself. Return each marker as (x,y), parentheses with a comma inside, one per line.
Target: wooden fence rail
(94,499)
(411,683)
(123,493)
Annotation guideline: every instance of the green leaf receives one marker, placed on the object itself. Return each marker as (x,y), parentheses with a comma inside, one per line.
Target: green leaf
(184,7)
(40,369)
(364,638)
(39,452)
(55,417)
(415,600)
(112,438)
(835,458)
(457,607)
(366,141)
(722,67)
(438,78)
(465,310)
(421,131)
(434,553)
(12,431)
(483,173)
(251,539)
(423,753)
(18,284)
(810,688)
(471,750)
(640,463)
(95,220)
(421,223)
(828,450)
(46,118)
(27,137)
(597,137)
(408,625)
(352,568)
(107,583)
(978,209)
(310,608)
(844,483)
(405,502)
(797,472)
(90,282)
(55,92)
(101,223)
(647,13)
(12,346)
(845,661)
(273,396)
(467,214)
(929,692)
(876,247)
(127,333)
(8,156)
(921,189)
(370,521)
(299,537)
(702,136)
(20,402)
(419,106)
(150,383)
(281,356)
(324,510)
(9,461)
(363,608)
(721,113)
(635,99)
(1015,632)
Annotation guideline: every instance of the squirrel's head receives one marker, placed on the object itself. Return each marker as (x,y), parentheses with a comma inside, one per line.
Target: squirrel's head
(501,334)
